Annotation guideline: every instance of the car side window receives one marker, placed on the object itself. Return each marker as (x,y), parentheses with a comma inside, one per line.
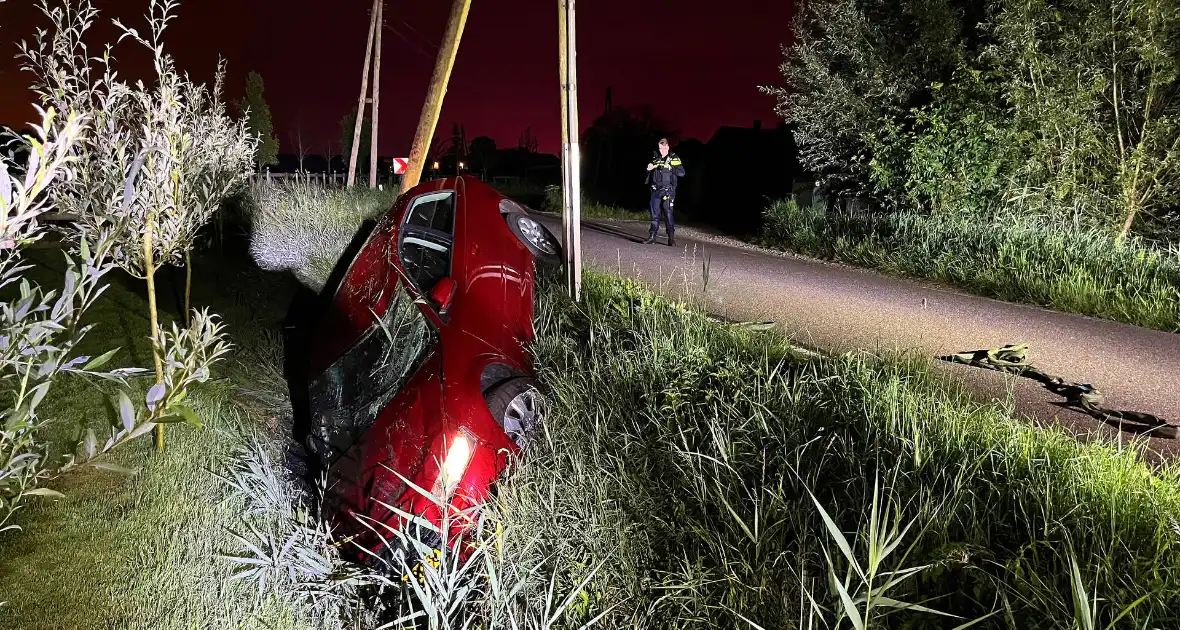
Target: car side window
(348,397)
(435,211)
(427,239)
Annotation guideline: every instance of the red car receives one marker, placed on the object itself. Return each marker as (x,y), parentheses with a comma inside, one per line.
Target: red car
(421,367)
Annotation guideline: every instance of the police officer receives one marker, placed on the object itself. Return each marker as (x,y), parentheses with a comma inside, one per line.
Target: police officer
(663,173)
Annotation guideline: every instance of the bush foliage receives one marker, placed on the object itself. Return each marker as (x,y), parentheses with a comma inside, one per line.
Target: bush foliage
(1059,108)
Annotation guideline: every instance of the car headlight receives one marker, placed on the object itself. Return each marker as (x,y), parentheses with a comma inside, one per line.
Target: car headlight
(454,465)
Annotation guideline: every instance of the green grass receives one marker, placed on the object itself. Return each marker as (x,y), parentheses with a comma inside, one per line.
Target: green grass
(672,488)
(140,552)
(1058,265)
(680,454)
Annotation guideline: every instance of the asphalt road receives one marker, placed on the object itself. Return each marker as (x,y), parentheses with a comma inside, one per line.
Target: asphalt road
(837,308)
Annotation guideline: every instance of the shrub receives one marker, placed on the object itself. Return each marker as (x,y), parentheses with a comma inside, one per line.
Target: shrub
(40,332)
(159,161)
(1092,83)
(1066,109)
(853,71)
(963,151)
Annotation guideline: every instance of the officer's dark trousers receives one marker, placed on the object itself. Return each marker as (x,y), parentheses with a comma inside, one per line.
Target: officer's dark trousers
(661,203)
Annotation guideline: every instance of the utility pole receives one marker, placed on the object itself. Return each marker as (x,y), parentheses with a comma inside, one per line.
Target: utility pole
(360,106)
(571,215)
(376,95)
(438,89)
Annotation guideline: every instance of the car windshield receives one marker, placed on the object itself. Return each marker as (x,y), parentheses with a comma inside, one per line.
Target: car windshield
(347,398)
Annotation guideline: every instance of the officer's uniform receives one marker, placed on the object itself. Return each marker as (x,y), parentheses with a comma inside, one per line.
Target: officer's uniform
(663,179)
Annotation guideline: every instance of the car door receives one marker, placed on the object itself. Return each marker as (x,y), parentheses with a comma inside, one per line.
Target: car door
(393,361)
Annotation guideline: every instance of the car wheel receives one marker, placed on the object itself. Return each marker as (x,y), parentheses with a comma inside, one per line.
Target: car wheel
(535,236)
(515,405)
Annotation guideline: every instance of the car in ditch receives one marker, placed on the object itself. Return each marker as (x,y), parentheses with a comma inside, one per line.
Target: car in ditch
(420,371)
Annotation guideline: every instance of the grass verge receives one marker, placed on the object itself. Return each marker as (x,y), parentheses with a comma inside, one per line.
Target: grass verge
(1061,266)
(142,551)
(303,227)
(682,457)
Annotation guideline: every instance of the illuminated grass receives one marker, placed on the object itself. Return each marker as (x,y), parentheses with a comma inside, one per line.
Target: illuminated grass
(303,228)
(683,455)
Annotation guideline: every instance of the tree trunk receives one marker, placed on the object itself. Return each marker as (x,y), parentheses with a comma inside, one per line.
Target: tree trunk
(1127,224)
(1132,197)
(150,277)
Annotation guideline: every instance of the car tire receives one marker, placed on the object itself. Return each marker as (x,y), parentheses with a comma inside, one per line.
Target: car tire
(536,237)
(515,404)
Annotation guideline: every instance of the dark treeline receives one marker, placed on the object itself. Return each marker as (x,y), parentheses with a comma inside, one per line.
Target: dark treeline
(1058,108)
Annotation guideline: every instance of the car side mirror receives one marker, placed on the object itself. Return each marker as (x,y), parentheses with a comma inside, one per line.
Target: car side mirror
(442,294)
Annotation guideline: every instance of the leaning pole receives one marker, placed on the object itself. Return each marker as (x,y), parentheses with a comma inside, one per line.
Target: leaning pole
(434,97)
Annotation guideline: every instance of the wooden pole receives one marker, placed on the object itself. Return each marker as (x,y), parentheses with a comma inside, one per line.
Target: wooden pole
(376,95)
(571,216)
(562,64)
(438,89)
(360,106)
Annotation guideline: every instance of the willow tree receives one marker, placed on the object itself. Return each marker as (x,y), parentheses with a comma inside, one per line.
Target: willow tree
(851,76)
(1095,84)
(160,159)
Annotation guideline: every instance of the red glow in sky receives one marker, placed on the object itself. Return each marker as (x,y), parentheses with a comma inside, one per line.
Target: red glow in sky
(699,64)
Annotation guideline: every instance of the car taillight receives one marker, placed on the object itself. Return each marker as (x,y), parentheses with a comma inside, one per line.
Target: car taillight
(454,466)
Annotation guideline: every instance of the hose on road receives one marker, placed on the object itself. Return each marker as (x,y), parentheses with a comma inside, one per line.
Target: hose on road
(1083,397)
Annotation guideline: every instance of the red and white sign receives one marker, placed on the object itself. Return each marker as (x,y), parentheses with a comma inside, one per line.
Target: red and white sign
(399,165)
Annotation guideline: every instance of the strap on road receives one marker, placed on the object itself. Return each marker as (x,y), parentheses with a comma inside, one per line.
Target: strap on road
(1083,397)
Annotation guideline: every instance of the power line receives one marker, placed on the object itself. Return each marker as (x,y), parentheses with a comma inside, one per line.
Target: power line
(416,47)
(426,39)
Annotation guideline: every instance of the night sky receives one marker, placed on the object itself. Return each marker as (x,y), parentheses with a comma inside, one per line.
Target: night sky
(697,63)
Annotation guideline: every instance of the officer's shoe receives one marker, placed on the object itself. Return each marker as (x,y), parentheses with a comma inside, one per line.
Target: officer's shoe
(671,239)
(651,238)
